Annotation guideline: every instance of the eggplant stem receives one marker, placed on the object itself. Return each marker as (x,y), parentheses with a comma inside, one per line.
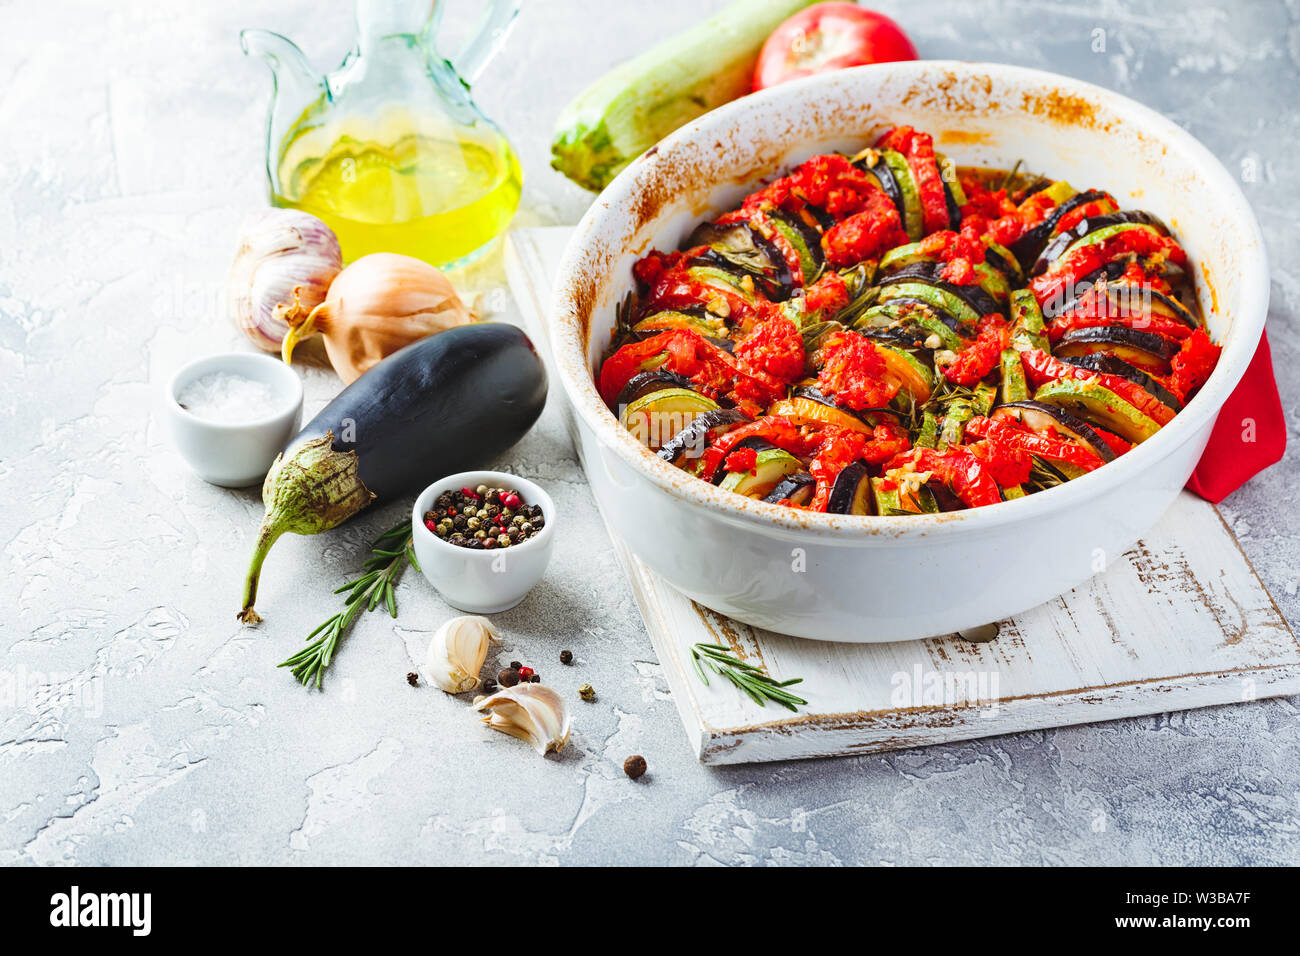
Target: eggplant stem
(267,535)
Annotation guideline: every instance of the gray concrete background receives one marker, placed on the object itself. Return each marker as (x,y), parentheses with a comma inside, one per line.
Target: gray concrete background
(140,724)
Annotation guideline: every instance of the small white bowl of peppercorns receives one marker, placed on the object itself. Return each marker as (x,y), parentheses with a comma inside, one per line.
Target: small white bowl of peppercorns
(483,538)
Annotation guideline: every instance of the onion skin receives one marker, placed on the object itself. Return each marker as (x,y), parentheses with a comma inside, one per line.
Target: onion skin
(378,305)
(283,269)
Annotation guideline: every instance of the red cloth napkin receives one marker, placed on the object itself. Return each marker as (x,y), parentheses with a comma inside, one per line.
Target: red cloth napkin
(1249,436)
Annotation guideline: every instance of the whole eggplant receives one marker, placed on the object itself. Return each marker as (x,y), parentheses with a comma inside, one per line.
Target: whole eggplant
(444,404)
(447,403)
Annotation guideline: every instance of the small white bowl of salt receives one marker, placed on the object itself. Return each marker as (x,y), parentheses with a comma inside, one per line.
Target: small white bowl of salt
(231,414)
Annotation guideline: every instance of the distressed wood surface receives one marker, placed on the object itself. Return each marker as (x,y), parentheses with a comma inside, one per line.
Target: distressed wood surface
(1179,621)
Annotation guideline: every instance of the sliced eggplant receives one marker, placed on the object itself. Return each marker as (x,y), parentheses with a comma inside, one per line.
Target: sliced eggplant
(1054,307)
(909,337)
(771,466)
(1095,403)
(945,498)
(851,492)
(1032,241)
(1000,258)
(1159,303)
(1098,228)
(740,246)
(1110,365)
(909,210)
(655,417)
(1048,420)
(798,489)
(643,383)
(1146,350)
(873,162)
(807,404)
(691,440)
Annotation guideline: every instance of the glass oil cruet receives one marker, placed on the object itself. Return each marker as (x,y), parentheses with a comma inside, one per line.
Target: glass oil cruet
(389,149)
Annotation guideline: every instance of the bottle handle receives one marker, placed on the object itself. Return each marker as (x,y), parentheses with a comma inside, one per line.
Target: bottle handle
(487,39)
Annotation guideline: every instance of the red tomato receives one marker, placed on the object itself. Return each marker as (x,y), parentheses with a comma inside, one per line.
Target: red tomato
(829,36)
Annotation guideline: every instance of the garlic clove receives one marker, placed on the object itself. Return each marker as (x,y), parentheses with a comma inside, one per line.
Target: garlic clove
(531,712)
(457,651)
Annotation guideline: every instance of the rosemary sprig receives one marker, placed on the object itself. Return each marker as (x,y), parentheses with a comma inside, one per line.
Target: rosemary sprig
(389,555)
(749,678)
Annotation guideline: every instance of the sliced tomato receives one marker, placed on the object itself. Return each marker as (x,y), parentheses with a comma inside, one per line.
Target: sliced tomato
(1041,367)
(1010,433)
(918,149)
(956,467)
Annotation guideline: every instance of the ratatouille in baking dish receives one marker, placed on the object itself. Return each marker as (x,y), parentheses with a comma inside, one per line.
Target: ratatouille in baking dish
(887,334)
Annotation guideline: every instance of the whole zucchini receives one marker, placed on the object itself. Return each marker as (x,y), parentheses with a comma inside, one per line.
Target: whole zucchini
(639,102)
(447,403)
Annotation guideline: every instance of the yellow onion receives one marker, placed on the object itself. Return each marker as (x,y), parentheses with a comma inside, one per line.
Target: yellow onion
(283,268)
(381,303)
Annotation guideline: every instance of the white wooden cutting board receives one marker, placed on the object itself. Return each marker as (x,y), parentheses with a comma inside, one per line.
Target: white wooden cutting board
(1180,621)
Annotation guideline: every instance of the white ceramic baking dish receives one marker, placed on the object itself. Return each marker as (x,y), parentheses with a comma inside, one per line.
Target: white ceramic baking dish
(859,579)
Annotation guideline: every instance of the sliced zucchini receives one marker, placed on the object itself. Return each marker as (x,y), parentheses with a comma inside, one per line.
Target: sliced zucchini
(1027,328)
(976,300)
(643,383)
(1014,387)
(912,215)
(722,279)
(1093,402)
(805,241)
(1110,365)
(936,296)
(901,501)
(702,322)
(873,161)
(771,467)
(928,435)
(655,418)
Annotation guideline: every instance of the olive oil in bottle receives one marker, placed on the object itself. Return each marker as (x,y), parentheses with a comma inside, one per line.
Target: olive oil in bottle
(429,189)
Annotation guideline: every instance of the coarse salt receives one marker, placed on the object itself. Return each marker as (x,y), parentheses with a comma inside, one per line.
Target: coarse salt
(227,397)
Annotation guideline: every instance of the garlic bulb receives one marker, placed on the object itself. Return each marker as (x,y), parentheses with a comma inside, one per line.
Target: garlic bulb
(283,269)
(457,652)
(531,712)
(377,305)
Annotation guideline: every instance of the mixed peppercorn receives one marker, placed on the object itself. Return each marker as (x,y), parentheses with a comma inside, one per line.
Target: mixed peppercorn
(886,334)
(484,518)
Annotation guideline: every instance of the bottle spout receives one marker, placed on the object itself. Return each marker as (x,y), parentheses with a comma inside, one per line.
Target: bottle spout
(296,83)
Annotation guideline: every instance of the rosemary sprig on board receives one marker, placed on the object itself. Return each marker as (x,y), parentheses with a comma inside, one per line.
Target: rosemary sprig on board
(747,677)
(389,555)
